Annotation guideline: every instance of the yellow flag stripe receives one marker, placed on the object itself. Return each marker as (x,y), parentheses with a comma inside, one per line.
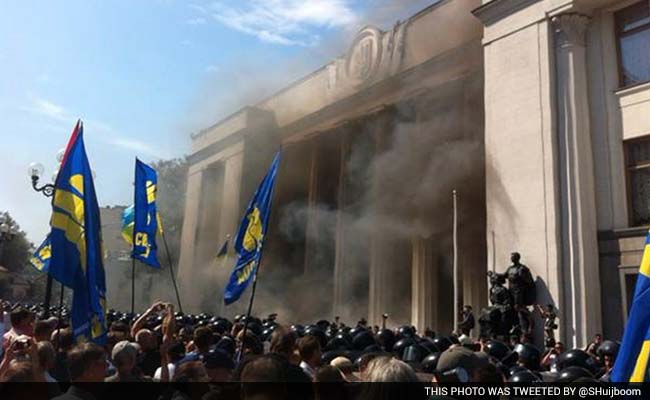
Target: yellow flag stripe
(641,367)
(73,232)
(645,261)
(71,203)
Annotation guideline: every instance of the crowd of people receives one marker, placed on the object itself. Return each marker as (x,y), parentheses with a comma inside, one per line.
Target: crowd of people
(161,345)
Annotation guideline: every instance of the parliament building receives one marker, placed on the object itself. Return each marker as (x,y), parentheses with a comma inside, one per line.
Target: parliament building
(536,112)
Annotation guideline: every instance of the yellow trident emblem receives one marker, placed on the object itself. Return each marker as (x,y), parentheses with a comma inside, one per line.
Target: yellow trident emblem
(253,235)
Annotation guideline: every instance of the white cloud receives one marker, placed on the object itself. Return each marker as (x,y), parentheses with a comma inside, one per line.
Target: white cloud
(135,145)
(47,109)
(211,69)
(97,130)
(105,133)
(196,21)
(284,22)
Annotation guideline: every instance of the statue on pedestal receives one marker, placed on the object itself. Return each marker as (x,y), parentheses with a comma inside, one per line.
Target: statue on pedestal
(509,311)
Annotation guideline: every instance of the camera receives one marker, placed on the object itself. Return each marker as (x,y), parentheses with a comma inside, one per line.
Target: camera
(456,375)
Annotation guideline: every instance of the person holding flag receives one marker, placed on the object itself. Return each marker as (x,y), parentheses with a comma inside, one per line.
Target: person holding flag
(76,258)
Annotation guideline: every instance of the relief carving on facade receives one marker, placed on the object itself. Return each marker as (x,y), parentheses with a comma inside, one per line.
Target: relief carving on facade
(374,55)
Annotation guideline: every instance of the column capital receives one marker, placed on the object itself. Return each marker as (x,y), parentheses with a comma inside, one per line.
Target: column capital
(570,29)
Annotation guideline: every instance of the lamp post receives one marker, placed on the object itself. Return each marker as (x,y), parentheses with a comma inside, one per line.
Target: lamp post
(35,171)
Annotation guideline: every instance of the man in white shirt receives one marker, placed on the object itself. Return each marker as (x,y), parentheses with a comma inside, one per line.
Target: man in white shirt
(22,323)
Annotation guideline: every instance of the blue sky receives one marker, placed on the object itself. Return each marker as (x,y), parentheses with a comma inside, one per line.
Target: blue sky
(143,75)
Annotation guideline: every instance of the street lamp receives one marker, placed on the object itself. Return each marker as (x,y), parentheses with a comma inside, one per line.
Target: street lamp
(35,171)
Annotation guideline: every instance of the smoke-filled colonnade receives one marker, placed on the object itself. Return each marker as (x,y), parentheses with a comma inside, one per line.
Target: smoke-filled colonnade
(373,144)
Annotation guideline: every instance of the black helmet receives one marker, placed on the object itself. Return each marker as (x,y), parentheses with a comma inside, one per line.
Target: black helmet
(345,336)
(362,340)
(497,349)
(299,329)
(524,376)
(401,346)
(318,334)
(528,354)
(373,348)
(442,343)
(323,324)
(428,344)
(515,369)
(405,331)
(430,363)
(414,353)
(266,334)
(338,343)
(570,374)
(576,358)
(386,339)
(255,327)
(608,348)
(226,344)
(356,330)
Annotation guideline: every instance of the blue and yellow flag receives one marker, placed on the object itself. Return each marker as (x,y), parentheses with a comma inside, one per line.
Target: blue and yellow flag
(632,360)
(250,238)
(41,257)
(145,217)
(76,244)
(127,225)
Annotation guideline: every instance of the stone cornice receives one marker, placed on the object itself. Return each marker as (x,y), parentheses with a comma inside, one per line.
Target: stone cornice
(496,10)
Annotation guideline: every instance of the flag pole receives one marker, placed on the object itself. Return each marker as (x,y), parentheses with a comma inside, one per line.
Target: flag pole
(58,326)
(132,285)
(171,271)
(250,310)
(455,238)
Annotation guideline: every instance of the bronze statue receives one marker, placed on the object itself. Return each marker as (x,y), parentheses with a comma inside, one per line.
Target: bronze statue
(520,282)
(509,314)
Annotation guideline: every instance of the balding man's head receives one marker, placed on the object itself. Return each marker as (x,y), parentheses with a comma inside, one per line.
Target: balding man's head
(146,339)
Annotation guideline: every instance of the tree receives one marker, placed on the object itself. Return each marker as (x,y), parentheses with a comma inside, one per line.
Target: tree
(172,181)
(15,251)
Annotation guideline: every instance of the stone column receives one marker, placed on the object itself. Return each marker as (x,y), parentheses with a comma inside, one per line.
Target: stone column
(424,286)
(311,229)
(580,304)
(381,246)
(185,271)
(339,263)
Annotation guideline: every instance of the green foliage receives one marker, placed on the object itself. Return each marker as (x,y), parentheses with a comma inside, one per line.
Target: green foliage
(15,252)
(172,181)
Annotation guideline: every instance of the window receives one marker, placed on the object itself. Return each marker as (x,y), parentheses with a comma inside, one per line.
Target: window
(633,37)
(637,155)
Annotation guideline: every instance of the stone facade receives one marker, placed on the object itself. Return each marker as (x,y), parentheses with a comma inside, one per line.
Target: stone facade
(556,123)
(528,90)
(373,144)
